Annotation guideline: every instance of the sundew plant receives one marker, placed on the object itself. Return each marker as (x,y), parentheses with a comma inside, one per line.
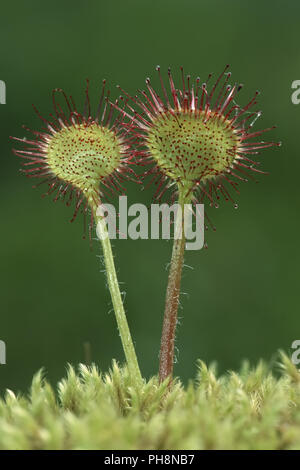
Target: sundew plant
(85,158)
(199,142)
(195,139)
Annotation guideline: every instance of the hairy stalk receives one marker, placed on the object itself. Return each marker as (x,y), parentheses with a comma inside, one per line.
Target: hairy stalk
(166,357)
(113,285)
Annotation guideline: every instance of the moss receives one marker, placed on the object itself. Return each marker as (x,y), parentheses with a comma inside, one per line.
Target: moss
(252,409)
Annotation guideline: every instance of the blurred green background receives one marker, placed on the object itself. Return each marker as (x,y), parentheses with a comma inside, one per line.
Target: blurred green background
(242,295)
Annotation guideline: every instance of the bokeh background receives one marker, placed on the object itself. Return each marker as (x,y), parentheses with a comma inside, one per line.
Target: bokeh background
(243,291)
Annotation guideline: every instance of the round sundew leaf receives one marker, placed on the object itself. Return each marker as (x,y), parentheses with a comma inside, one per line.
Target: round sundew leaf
(187,147)
(82,155)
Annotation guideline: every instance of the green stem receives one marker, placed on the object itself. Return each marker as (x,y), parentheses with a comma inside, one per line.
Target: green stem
(113,285)
(166,359)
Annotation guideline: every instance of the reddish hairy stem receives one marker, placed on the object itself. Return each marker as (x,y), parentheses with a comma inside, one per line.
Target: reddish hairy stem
(166,359)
